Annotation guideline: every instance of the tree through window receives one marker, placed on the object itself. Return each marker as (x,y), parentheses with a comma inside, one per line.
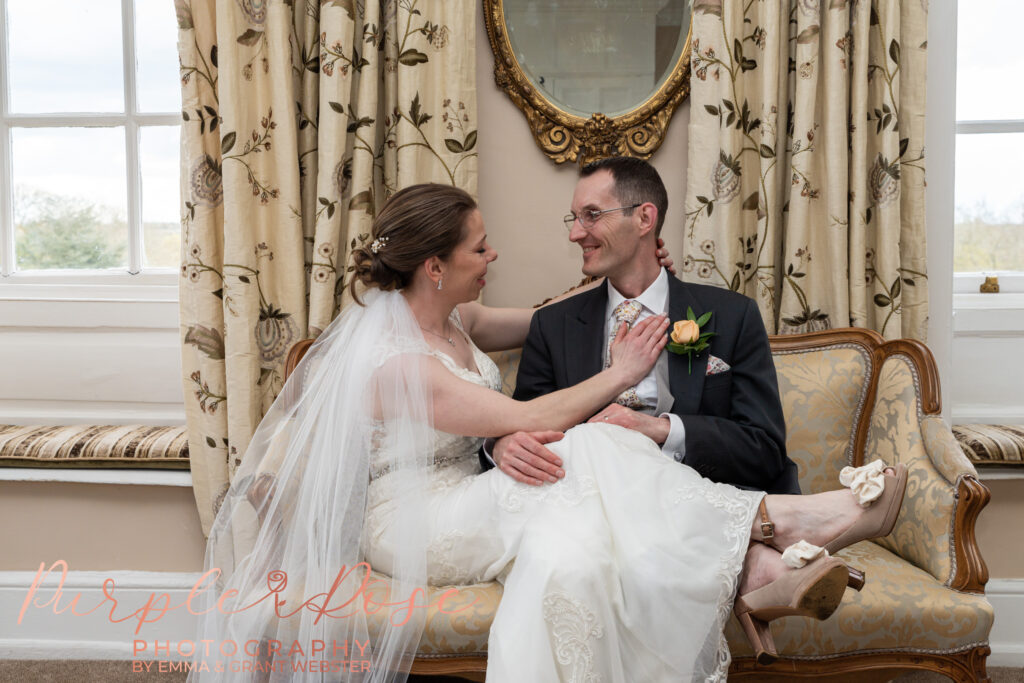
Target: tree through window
(89,130)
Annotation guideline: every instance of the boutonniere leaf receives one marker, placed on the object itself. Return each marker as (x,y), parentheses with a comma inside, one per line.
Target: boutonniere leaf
(686,337)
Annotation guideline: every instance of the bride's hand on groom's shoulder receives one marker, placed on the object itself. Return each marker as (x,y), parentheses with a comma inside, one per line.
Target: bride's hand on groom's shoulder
(524,457)
(664,260)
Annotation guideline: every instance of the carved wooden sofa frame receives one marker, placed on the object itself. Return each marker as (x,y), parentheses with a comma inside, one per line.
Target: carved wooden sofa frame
(888,393)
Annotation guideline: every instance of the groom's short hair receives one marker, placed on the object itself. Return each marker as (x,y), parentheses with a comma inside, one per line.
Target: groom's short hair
(636,182)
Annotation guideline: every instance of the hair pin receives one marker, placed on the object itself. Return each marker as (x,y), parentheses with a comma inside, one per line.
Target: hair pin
(378,244)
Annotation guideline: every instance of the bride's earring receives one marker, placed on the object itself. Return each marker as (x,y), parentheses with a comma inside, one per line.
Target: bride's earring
(439,285)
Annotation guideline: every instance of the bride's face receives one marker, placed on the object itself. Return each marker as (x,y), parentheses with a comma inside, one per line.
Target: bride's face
(467,264)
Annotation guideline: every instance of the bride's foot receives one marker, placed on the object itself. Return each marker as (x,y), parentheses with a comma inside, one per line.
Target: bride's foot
(761,566)
(769,590)
(834,519)
(881,507)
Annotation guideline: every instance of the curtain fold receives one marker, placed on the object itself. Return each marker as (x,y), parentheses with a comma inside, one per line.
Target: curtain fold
(806,161)
(299,120)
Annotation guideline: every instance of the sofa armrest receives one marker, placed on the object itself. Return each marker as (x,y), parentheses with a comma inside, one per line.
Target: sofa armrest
(969,572)
(935,529)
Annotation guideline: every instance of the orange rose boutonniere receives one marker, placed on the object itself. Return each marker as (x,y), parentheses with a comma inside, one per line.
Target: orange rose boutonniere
(686,337)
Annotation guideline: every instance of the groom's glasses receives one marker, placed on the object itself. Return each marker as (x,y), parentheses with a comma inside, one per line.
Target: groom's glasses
(588,217)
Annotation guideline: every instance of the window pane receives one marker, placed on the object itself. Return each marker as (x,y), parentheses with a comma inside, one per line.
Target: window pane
(160,213)
(65,56)
(989,60)
(156,49)
(69,198)
(989,230)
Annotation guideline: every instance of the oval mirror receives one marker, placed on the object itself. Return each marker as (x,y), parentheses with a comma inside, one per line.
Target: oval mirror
(595,78)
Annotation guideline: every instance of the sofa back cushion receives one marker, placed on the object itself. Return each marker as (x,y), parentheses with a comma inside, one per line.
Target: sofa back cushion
(508,366)
(823,391)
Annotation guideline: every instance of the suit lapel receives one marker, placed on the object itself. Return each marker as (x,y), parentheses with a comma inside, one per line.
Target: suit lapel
(686,385)
(584,349)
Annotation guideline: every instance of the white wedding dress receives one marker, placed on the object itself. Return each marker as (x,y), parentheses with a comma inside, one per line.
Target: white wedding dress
(625,570)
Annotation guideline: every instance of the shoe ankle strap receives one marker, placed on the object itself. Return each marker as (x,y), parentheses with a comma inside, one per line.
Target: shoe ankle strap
(767,525)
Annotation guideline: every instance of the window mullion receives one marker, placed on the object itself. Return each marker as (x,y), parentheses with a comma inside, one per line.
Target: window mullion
(6,213)
(134,197)
(133,172)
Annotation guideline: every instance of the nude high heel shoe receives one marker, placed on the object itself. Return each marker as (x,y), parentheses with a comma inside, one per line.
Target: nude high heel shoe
(815,591)
(877,522)
(881,515)
(856,576)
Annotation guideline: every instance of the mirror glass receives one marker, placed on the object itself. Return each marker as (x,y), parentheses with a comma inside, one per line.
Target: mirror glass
(588,56)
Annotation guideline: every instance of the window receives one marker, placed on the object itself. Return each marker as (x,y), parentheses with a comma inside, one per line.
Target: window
(989,197)
(89,130)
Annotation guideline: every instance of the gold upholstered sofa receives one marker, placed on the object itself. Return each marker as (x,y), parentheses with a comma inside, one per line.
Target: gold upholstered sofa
(848,397)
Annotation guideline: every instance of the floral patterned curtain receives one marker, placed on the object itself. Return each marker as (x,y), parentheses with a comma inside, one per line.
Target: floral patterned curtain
(806,160)
(321,111)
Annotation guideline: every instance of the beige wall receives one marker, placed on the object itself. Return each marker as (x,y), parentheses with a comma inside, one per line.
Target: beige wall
(523,196)
(99,527)
(1001,529)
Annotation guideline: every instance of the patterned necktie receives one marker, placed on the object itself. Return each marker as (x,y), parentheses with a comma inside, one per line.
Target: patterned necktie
(626,312)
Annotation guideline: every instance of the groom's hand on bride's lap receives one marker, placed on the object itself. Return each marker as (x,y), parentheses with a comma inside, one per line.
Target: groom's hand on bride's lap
(524,457)
(654,428)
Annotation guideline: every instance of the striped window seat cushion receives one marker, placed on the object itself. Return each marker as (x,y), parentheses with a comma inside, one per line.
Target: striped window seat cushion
(134,446)
(992,444)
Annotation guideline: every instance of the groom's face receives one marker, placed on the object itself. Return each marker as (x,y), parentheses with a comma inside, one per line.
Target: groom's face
(611,245)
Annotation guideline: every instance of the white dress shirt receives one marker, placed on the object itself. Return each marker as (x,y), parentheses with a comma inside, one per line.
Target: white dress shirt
(653,389)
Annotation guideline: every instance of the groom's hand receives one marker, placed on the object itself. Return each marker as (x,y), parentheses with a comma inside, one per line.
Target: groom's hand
(523,457)
(654,428)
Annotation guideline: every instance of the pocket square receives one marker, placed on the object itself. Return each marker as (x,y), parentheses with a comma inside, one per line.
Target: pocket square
(716,365)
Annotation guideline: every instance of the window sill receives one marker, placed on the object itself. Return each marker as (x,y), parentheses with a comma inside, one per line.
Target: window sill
(994,315)
(90,300)
(161,286)
(98,476)
(1003,301)
(1010,282)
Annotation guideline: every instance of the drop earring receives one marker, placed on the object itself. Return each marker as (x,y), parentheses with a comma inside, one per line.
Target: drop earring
(439,284)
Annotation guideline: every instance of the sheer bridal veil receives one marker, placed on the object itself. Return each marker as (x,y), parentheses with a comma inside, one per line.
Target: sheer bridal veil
(291,600)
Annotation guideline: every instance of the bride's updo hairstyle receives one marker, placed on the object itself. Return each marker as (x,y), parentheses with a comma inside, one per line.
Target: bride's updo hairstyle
(417,223)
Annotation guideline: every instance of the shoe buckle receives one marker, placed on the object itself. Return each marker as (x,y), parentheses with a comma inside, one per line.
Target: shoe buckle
(767,531)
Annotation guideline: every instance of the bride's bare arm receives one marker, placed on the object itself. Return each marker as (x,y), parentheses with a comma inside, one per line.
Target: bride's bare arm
(494,328)
(468,409)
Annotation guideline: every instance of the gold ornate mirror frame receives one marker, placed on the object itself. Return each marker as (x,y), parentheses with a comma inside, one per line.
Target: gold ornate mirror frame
(567,137)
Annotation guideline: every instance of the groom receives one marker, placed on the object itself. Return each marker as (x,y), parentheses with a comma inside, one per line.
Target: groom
(721,415)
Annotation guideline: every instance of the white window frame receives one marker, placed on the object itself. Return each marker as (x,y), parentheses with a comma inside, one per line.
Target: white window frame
(137,283)
(1010,282)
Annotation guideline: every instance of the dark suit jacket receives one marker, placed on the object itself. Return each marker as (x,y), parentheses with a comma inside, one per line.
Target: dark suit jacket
(735,430)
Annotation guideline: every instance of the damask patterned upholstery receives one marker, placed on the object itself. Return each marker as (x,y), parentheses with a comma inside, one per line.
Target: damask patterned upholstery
(895,435)
(901,607)
(822,393)
(849,397)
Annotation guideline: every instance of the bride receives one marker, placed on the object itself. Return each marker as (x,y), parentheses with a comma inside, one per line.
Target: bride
(626,569)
